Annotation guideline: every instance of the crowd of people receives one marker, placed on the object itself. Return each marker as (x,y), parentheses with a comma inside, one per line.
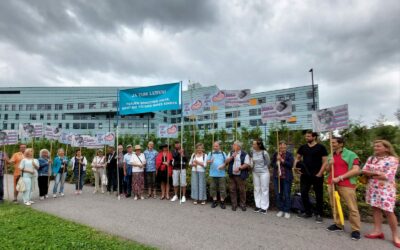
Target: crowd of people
(124,171)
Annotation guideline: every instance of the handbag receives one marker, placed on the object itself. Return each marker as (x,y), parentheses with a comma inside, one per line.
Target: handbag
(20,187)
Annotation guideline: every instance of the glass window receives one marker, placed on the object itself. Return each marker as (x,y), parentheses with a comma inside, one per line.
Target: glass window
(12,126)
(252,112)
(5,116)
(83,125)
(173,112)
(92,105)
(41,117)
(114,104)
(4,125)
(81,105)
(309,94)
(229,124)
(1,107)
(293,107)
(70,106)
(100,125)
(90,125)
(280,98)
(32,117)
(14,107)
(310,106)
(29,107)
(40,107)
(60,125)
(104,104)
(152,126)
(173,120)
(58,106)
(228,115)
(6,107)
(55,116)
(262,100)
(47,106)
(291,96)
(67,125)
(63,117)
(122,125)
(165,119)
(16,116)
(21,107)
(76,125)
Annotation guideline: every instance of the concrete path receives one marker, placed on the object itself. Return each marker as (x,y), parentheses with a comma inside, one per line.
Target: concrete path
(168,225)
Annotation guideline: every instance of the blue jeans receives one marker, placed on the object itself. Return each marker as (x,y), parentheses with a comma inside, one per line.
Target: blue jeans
(79,179)
(198,186)
(128,181)
(60,179)
(283,200)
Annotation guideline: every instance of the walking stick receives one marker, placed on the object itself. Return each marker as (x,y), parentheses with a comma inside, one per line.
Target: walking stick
(49,170)
(278,163)
(6,171)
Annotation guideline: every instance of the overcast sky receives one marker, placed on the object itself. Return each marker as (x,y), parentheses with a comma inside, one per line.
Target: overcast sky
(353,46)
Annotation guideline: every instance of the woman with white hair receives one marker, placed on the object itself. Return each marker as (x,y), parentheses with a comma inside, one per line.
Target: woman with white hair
(59,170)
(99,164)
(28,167)
(198,161)
(43,173)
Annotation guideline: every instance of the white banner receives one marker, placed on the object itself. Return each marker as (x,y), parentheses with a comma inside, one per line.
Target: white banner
(278,111)
(235,98)
(52,132)
(167,131)
(29,130)
(195,107)
(330,119)
(8,137)
(107,138)
(214,100)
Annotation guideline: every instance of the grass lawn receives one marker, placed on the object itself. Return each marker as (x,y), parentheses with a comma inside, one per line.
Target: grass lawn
(25,228)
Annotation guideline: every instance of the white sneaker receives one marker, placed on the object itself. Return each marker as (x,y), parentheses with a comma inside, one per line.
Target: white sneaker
(135,199)
(95,191)
(279,214)
(287,215)
(54,196)
(41,198)
(76,192)
(102,191)
(80,191)
(27,203)
(32,202)
(46,196)
(62,194)
(175,198)
(141,197)
(183,199)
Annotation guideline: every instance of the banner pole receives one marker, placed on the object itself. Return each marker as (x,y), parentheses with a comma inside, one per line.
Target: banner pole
(79,171)
(167,187)
(278,162)
(117,134)
(49,170)
(6,171)
(213,126)
(182,129)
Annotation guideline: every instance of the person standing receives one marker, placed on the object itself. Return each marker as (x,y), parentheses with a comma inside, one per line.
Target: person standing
(138,162)
(98,167)
(216,160)
(283,198)
(178,175)
(43,173)
(59,170)
(314,158)
(346,166)
(79,164)
(150,154)
(238,170)
(112,184)
(128,170)
(260,162)
(28,167)
(164,170)
(3,161)
(381,170)
(15,160)
(122,184)
(198,161)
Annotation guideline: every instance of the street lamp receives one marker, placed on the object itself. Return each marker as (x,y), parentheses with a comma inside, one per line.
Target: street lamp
(313,89)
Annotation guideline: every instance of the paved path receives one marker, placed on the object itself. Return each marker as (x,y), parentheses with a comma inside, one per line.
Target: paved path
(168,225)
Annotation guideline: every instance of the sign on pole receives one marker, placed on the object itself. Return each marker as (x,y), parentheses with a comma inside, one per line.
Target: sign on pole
(281,110)
(167,131)
(331,119)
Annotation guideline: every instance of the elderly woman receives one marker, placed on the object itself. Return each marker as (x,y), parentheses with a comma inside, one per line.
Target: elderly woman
(59,170)
(28,167)
(381,190)
(43,173)
(198,161)
(164,170)
(99,164)
(138,162)
(79,164)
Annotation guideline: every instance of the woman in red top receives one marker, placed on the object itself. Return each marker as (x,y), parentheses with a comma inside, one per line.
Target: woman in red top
(164,170)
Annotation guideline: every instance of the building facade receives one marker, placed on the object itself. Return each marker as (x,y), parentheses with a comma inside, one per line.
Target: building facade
(87,110)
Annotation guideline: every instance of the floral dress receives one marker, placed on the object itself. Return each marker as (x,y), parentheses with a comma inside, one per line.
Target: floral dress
(382,193)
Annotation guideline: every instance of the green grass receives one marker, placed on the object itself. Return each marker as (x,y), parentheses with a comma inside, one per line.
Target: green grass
(25,228)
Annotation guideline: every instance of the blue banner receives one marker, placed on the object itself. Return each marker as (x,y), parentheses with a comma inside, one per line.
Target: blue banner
(150,99)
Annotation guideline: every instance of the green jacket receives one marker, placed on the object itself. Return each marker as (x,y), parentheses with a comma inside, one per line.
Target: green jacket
(349,157)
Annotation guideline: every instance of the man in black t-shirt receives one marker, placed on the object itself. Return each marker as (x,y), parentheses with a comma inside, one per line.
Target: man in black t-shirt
(312,157)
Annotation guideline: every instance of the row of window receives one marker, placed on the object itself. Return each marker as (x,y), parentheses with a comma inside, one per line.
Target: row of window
(30,107)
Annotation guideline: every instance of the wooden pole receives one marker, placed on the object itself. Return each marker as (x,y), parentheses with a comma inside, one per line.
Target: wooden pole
(167,187)
(118,187)
(332,176)
(6,171)
(79,171)
(278,163)
(49,170)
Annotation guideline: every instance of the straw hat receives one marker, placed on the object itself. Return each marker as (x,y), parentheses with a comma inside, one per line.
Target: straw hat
(138,147)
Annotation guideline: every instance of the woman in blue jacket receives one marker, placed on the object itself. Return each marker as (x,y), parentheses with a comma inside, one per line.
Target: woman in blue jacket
(59,169)
(43,173)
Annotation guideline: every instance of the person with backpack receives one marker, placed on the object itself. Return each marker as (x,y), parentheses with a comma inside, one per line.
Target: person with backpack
(282,193)
(238,170)
(59,170)
(79,163)
(260,162)
(216,160)
(198,162)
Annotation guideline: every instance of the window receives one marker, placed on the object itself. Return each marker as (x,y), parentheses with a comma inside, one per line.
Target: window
(76,125)
(21,107)
(152,126)
(310,106)
(40,107)
(67,125)
(12,126)
(228,115)
(293,108)
(81,105)
(48,117)
(122,125)
(92,105)
(41,117)
(173,120)
(291,96)
(262,100)
(47,106)
(29,107)
(4,125)
(13,107)
(104,104)
(229,124)
(255,122)
(173,112)
(58,106)
(70,106)
(165,119)
(100,125)
(0,116)
(5,116)
(56,117)
(309,94)
(83,125)
(6,107)
(114,104)
(63,117)
(16,116)
(32,117)
(90,125)
(60,125)
(1,107)
(179,120)
(254,112)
